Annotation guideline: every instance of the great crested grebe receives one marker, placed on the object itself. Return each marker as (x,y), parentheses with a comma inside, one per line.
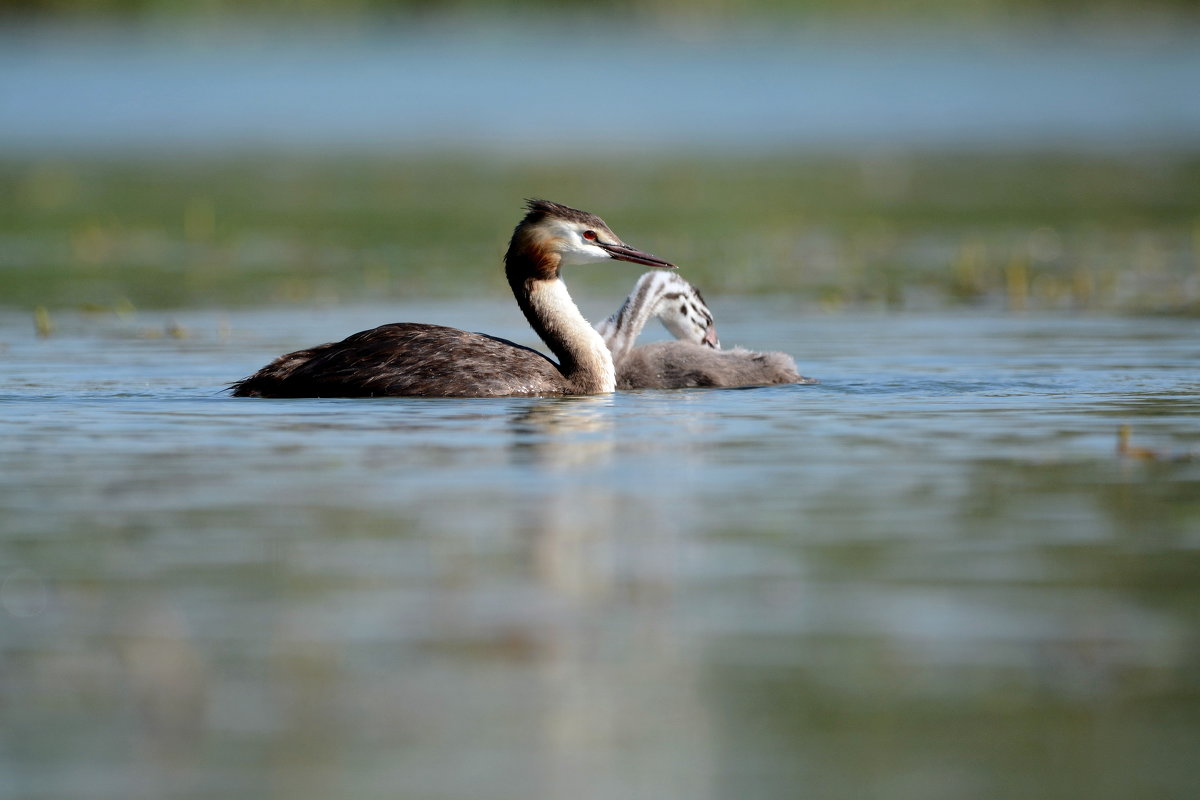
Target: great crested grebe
(411,359)
(695,360)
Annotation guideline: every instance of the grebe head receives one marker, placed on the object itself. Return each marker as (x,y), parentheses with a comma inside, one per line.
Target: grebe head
(682,310)
(570,236)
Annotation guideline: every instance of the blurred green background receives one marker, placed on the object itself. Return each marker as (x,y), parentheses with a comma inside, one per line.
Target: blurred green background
(931,221)
(1014,231)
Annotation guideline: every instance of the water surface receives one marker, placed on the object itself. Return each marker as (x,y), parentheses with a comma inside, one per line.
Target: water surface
(932,575)
(584,87)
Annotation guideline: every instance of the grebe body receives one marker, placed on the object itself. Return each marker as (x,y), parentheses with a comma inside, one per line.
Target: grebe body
(412,359)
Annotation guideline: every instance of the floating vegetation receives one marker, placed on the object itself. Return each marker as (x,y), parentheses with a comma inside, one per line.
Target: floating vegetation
(42,324)
(1022,232)
(1126,449)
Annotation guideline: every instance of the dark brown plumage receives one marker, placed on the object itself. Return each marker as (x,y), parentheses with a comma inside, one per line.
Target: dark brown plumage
(406,359)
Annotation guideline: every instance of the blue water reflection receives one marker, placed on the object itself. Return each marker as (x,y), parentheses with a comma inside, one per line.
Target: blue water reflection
(904,577)
(539,87)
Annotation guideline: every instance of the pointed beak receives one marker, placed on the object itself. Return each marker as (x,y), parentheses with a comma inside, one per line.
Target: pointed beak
(710,337)
(625,253)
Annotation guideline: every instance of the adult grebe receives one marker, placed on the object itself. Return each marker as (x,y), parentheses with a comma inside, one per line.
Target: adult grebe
(411,359)
(696,360)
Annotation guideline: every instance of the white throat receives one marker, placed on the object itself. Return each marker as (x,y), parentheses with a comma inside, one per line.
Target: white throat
(582,351)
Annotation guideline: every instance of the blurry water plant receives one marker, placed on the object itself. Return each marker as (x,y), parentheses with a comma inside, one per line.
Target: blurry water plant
(909,231)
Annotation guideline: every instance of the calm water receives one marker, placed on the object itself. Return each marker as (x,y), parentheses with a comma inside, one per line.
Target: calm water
(533,87)
(929,576)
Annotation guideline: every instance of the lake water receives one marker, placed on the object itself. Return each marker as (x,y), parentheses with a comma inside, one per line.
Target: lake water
(587,87)
(932,575)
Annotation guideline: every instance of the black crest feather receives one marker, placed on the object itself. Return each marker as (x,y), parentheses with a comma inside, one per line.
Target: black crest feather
(540,209)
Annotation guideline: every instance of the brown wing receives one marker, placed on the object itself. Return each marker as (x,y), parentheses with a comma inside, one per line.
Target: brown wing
(407,359)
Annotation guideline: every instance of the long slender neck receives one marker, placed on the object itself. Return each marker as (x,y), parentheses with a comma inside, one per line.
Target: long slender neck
(583,358)
(622,329)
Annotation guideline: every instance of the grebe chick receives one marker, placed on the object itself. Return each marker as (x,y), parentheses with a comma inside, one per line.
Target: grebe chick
(687,365)
(695,360)
(411,359)
(676,303)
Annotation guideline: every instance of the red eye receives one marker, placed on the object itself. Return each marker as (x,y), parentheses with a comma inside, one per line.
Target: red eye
(589,235)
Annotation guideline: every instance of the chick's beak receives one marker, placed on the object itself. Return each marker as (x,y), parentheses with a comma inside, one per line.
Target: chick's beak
(710,337)
(623,252)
